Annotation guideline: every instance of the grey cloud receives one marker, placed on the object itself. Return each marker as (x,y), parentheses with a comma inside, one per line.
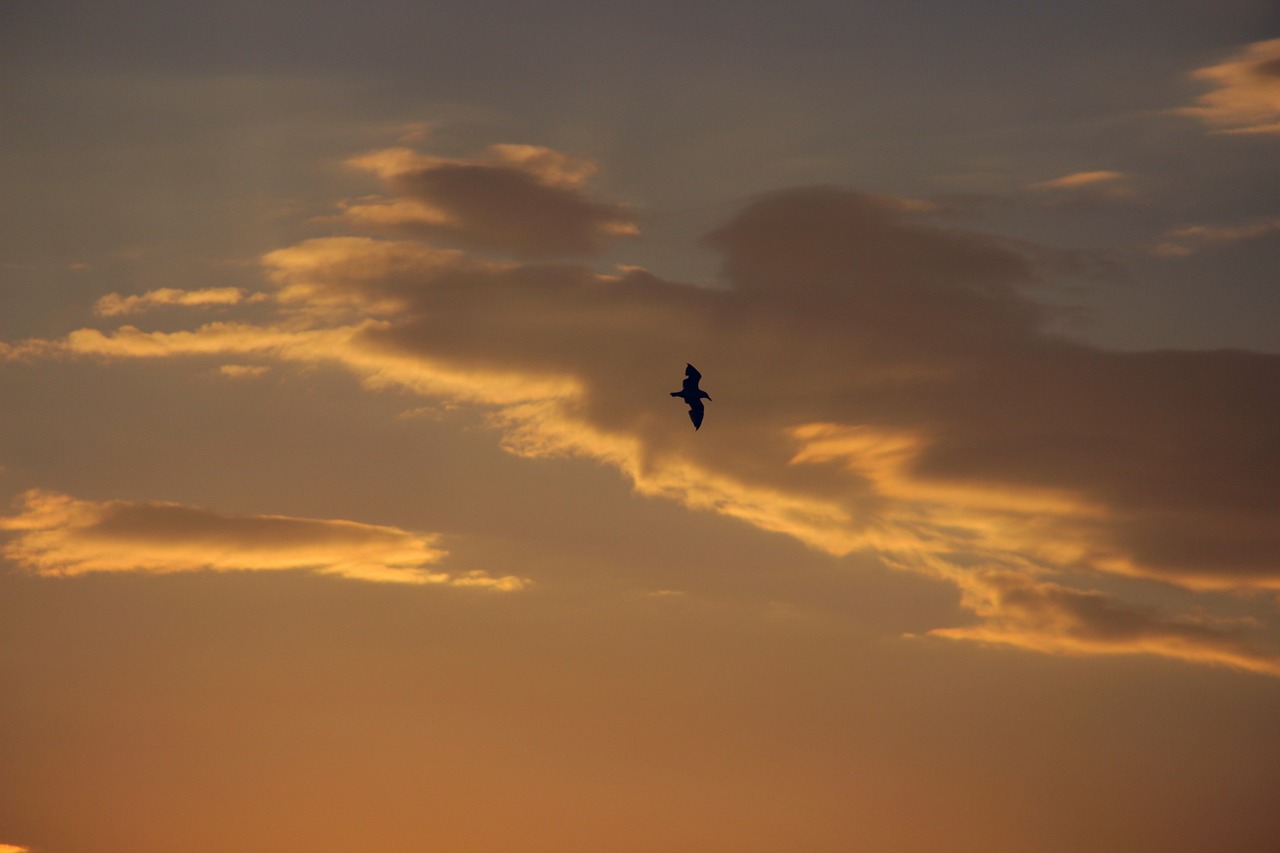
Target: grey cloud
(522,200)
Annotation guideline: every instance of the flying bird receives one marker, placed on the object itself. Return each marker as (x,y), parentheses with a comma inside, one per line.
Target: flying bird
(692,394)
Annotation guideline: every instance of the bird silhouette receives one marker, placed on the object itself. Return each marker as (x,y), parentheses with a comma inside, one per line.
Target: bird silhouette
(692,394)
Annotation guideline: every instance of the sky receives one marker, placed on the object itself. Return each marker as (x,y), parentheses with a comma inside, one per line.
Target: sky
(344,504)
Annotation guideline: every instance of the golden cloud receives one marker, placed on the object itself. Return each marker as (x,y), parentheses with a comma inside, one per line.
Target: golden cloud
(55,535)
(1052,618)
(330,276)
(549,167)
(243,371)
(1079,179)
(113,304)
(880,385)
(1092,187)
(1246,93)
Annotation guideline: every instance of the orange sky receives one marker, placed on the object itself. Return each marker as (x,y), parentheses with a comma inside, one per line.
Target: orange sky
(346,506)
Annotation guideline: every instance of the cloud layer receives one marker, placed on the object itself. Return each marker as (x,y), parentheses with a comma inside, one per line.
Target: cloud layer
(58,535)
(880,385)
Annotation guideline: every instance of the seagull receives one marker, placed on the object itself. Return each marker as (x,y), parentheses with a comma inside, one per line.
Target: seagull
(692,395)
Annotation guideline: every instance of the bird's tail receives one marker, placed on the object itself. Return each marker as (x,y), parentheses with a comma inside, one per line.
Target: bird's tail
(677,393)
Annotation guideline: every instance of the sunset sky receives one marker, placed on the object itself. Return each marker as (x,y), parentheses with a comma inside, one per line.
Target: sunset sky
(343,504)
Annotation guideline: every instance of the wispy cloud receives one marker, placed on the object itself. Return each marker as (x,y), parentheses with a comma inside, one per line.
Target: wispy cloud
(1190,239)
(57,535)
(1052,618)
(114,305)
(1246,91)
(243,371)
(1077,180)
(1093,186)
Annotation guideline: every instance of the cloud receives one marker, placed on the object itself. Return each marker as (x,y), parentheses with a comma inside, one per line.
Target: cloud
(1190,239)
(14,848)
(1076,180)
(1051,618)
(327,276)
(114,305)
(881,385)
(417,131)
(55,535)
(243,371)
(1093,187)
(1246,91)
(523,200)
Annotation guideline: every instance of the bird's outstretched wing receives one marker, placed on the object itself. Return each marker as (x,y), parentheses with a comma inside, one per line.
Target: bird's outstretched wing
(696,411)
(691,377)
